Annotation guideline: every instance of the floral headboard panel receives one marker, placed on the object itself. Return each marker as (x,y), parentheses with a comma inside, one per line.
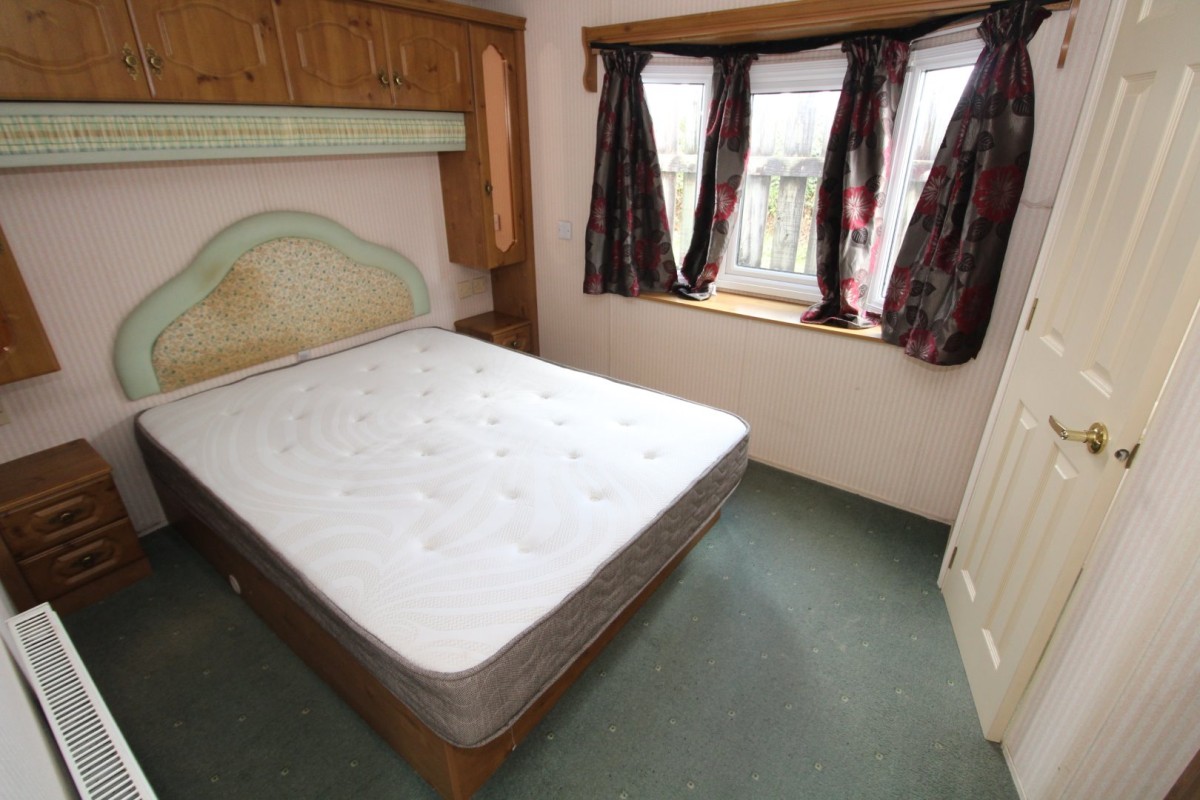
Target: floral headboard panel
(266,287)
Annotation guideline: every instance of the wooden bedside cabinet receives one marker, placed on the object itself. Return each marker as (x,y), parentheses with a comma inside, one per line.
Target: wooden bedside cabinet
(502,329)
(64,533)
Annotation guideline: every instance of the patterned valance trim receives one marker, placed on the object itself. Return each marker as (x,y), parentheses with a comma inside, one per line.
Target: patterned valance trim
(46,134)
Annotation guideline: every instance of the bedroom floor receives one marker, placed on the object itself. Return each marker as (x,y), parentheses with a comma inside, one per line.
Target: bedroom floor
(801,650)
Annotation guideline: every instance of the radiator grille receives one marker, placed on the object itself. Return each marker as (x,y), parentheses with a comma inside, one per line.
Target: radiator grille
(95,752)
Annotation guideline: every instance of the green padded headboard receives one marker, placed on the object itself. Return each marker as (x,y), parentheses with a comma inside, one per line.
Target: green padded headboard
(266,287)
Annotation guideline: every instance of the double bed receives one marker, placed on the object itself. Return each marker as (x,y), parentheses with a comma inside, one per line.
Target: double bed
(446,530)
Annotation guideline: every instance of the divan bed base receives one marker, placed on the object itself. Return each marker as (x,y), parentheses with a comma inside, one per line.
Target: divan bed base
(455,772)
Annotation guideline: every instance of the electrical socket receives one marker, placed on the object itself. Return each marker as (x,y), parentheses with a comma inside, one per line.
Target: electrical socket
(464,289)
(479,285)
(564,229)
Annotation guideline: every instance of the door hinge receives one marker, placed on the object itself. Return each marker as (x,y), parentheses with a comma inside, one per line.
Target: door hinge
(1132,455)
(1032,311)
(953,553)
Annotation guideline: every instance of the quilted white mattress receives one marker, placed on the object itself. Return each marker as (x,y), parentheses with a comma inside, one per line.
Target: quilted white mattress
(443,493)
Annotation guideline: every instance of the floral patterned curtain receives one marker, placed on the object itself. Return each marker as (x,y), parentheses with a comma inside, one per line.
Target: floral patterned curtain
(726,150)
(628,240)
(939,299)
(855,176)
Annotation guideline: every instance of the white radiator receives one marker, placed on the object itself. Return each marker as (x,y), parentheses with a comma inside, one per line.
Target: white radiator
(95,752)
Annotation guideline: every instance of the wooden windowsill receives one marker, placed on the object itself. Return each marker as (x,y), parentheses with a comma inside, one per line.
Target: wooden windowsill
(777,312)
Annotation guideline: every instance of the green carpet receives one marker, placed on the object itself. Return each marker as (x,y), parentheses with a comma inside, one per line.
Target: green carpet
(801,651)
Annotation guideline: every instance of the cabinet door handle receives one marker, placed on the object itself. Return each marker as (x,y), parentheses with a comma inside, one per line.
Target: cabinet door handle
(396,79)
(487,187)
(155,61)
(130,61)
(383,78)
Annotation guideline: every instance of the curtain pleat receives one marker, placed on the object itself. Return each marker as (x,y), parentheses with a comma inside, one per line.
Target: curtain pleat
(726,150)
(939,299)
(853,181)
(628,239)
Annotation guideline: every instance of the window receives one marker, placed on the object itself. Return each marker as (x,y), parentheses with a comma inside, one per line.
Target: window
(773,249)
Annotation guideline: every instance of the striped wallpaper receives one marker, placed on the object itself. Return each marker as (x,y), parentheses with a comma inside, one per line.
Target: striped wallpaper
(853,414)
(94,241)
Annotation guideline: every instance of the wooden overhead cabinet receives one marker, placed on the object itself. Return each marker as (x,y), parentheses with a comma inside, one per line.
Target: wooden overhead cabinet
(69,50)
(207,51)
(354,54)
(211,51)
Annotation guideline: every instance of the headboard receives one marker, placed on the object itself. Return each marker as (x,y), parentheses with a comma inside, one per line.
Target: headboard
(267,286)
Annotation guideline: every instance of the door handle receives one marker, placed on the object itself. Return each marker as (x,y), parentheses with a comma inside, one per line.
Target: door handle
(1094,437)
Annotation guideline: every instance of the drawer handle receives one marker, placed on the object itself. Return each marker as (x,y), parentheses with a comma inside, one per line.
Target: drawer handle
(517,344)
(86,561)
(66,517)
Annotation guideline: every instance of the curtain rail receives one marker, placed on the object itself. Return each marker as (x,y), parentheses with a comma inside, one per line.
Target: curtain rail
(799,19)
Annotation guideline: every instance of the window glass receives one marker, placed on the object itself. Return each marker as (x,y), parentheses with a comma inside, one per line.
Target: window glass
(773,249)
(935,96)
(677,111)
(789,130)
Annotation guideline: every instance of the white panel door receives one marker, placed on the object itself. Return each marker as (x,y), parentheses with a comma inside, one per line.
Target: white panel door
(1120,282)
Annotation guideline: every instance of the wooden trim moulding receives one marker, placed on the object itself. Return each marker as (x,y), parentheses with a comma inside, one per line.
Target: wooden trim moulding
(791,20)
(442,8)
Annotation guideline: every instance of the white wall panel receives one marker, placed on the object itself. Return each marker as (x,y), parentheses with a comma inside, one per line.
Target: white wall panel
(92,242)
(679,351)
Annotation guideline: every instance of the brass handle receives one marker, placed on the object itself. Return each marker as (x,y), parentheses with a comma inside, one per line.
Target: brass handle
(86,561)
(65,518)
(487,187)
(517,344)
(130,61)
(155,61)
(396,79)
(1094,437)
(383,78)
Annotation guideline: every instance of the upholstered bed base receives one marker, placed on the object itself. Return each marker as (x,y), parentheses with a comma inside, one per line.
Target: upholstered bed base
(455,772)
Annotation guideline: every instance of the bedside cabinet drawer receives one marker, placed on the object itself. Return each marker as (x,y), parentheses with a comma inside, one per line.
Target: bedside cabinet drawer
(81,561)
(518,339)
(51,521)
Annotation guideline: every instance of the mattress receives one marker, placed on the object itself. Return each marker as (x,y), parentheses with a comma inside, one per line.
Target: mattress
(464,518)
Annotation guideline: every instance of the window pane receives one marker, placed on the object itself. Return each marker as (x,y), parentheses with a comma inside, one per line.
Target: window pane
(788,133)
(677,112)
(940,91)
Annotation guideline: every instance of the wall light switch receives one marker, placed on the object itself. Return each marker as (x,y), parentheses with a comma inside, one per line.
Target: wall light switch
(564,229)
(479,285)
(4,418)
(464,289)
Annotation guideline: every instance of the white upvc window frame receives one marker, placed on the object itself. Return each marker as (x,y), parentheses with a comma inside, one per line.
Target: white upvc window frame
(920,64)
(821,74)
(782,77)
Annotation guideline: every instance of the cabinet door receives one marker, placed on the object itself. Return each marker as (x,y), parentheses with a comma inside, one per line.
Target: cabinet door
(69,50)
(483,187)
(24,349)
(211,51)
(336,53)
(429,61)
